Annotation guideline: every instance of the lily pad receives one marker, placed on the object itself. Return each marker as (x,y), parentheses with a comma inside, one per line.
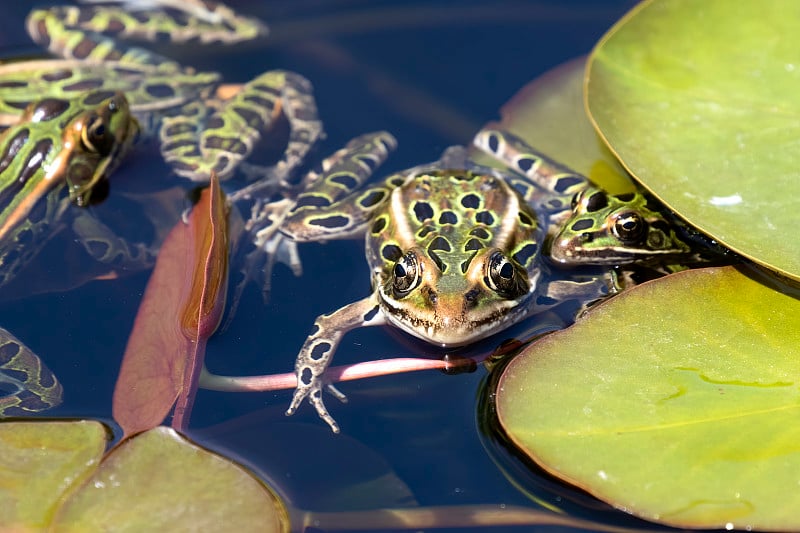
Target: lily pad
(55,477)
(676,401)
(38,461)
(176,485)
(699,101)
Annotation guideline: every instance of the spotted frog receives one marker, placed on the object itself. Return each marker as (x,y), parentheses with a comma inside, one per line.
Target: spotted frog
(457,251)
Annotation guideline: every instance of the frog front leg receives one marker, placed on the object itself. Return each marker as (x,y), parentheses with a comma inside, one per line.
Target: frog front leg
(317,353)
(329,193)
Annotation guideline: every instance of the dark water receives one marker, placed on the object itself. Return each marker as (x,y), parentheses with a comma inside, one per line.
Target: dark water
(431,73)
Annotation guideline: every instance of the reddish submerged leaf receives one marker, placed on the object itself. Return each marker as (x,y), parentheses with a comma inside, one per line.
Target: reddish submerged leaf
(182,306)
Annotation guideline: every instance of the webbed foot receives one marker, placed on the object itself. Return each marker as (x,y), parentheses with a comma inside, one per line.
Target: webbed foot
(313,391)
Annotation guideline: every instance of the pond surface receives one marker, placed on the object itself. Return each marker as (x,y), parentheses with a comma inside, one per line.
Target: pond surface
(431,73)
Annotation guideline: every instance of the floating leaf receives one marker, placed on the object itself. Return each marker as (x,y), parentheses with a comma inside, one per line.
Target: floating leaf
(676,400)
(181,308)
(54,477)
(700,103)
(175,485)
(38,461)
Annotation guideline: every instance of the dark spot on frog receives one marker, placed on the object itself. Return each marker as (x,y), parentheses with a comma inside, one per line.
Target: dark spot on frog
(596,202)
(344,179)
(371,314)
(473,244)
(333,221)
(465,264)
(524,219)
(378,226)
(525,254)
(439,243)
(448,217)
(424,231)
(438,260)
(471,297)
(391,252)
(423,211)
(371,198)
(160,90)
(567,182)
(582,224)
(525,164)
(471,201)
(480,233)
(8,351)
(311,200)
(431,296)
(484,217)
(626,197)
(319,350)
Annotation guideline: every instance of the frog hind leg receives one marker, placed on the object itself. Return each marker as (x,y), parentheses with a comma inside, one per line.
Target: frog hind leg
(543,177)
(194,145)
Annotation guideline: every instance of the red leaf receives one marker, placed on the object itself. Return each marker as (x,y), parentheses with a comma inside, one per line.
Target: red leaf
(182,306)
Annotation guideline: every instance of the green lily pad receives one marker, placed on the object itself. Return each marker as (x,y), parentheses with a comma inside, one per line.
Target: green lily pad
(700,102)
(38,461)
(54,476)
(176,485)
(676,400)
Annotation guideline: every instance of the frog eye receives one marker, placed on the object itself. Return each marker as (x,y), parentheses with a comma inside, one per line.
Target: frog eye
(405,274)
(629,227)
(97,137)
(503,277)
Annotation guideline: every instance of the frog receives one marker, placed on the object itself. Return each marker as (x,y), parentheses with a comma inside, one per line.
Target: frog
(53,162)
(631,228)
(458,251)
(615,229)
